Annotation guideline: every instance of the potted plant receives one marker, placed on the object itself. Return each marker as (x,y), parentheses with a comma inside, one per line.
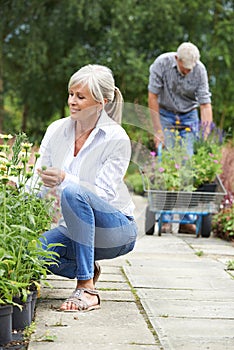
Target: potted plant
(170,169)
(206,161)
(172,179)
(7,290)
(23,216)
(173,170)
(223,221)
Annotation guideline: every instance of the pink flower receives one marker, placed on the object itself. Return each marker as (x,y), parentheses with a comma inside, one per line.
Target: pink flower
(161,170)
(153,154)
(177,166)
(216,161)
(211,154)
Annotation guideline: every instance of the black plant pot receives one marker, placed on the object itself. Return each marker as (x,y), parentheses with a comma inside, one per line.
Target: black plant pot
(5,324)
(207,187)
(208,190)
(22,318)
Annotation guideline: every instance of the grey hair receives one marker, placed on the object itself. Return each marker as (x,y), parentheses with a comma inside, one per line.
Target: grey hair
(188,53)
(101,84)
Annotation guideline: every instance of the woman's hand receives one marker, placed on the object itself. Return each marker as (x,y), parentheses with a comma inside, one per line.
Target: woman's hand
(51,177)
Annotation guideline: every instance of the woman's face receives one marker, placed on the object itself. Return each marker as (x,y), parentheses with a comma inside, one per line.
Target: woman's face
(81,103)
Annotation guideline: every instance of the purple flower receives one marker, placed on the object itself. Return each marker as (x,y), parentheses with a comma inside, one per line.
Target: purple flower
(177,166)
(161,170)
(153,154)
(212,126)
(221,136)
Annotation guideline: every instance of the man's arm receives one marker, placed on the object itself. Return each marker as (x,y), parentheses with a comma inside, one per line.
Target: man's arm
(206,117)
(155,116)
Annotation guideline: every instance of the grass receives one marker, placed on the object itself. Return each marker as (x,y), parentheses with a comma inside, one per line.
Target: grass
(199,253)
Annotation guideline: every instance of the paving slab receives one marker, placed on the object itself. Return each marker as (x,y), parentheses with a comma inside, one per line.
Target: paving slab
(185,294)
(141,277)
(195,333)
(190,308)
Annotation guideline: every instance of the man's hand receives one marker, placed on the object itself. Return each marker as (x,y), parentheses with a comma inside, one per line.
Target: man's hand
(51,177)
(155,116)
(206,119)
(159,138)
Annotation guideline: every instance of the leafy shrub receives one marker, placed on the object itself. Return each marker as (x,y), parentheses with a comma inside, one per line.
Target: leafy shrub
(227,175)
(23,216)
(134,183)
(223,222)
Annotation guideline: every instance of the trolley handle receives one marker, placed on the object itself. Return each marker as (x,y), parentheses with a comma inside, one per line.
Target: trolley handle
(159,152)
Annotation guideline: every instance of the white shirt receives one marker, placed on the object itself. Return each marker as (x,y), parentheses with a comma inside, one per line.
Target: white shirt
(101,163)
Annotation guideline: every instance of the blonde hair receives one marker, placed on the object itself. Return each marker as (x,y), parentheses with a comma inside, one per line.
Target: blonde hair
(100,82)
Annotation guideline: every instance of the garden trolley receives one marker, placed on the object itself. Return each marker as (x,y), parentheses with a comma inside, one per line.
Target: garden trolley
(201,203)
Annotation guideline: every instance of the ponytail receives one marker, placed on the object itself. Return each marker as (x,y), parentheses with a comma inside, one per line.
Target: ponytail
(114,108)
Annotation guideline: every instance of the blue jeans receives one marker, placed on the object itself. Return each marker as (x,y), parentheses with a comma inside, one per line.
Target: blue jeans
(189,120)
(95,231)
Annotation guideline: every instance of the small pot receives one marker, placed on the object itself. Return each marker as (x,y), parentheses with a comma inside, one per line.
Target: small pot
(22,318)
(209,192)
(5,324)
(207,187)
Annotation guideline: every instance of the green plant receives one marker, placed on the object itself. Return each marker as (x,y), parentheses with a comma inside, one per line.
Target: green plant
(23,216)
(223,222)
(134,183)
(47,337)
(29,330)
(8,287)
(206,160)
(171,169)
(230,265)
(199,253)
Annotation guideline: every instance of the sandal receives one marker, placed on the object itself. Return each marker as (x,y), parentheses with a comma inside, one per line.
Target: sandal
(97,272)
(77,299)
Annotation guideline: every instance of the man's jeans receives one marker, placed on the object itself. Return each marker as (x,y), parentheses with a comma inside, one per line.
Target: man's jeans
(95,231)
(189,120)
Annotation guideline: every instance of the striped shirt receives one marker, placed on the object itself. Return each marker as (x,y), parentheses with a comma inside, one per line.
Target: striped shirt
(176,92)
(101,163)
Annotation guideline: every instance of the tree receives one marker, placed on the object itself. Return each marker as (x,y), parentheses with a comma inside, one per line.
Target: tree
(213,33)
(43,43)
(19,51)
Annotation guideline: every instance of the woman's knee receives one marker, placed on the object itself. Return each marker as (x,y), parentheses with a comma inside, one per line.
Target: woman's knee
(72,192)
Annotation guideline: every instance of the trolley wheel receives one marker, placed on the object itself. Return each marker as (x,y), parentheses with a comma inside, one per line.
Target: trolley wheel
(149,221)
(206,225)
(160,226)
